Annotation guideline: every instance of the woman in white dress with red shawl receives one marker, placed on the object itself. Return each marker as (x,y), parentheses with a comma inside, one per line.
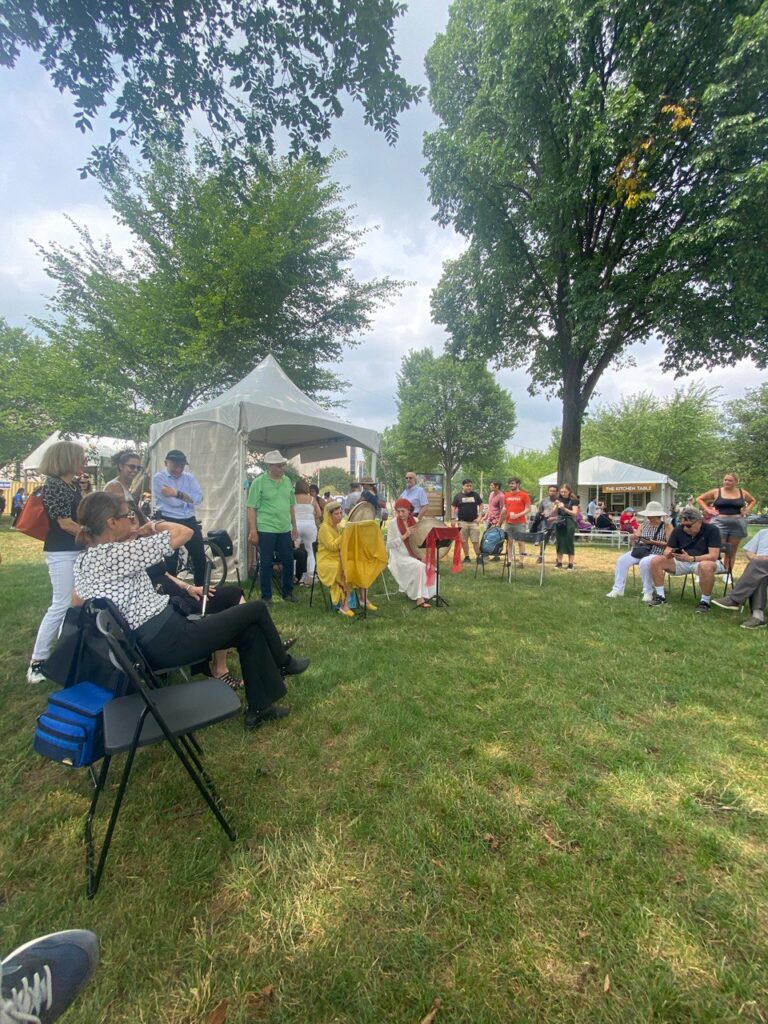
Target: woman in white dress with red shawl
(407,568)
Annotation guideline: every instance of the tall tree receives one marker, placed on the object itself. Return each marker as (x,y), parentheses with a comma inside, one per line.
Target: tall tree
(748,440)
(248,67)
(681,436)
(224,268)
(606,161)
(451,412)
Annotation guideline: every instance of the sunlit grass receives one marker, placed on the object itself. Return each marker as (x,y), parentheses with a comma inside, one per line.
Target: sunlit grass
(537,804)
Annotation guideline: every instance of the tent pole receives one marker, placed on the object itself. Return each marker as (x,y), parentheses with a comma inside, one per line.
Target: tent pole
(374,465)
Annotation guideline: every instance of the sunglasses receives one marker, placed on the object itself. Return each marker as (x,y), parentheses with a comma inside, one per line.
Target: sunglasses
(133,466)
(126,515)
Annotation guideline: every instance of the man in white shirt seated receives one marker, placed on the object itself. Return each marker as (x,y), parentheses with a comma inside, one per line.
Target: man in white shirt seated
(752,586)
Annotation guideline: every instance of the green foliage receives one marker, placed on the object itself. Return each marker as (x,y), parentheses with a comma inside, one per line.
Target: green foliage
(451,412)
(748,441)
(681,436)
(45,388)
(606,162)
(530,465)
(333,479)
(248,68)
(395,460)
(225,267)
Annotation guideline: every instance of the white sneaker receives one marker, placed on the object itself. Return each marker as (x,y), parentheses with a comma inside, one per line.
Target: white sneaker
(34,675)
(647,598)
(615,593)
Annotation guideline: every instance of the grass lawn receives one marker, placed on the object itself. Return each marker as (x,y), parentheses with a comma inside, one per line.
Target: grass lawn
(537,805)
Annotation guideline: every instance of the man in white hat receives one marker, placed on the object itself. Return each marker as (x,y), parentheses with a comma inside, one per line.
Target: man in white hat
(650,540)
(272,524)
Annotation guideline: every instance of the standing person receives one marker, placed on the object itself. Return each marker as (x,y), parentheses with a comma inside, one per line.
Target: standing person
(352,497)
(271,510)
(176,492)
(307,513)
(650,540)
(692,547)
(495,508)
(728,505)
(314,490)
(517,504)
(415,494)
(370,493)
(128,463)
(567,508)
(2,502)
(409,571)
(466,510)
(18,503)
(61,496)
(592,511)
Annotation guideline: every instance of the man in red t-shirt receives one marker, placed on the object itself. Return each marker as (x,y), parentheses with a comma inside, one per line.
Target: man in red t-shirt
(517,504)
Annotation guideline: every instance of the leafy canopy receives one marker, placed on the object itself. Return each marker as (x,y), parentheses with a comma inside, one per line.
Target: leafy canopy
(748,437)
(223,269)
(606,161)
(249,67)
(450,413)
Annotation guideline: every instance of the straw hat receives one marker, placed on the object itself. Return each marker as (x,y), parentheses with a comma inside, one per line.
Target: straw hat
(274,458)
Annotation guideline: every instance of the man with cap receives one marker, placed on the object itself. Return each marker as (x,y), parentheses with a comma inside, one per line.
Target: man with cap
(692,547)
(272,524)
(176,492)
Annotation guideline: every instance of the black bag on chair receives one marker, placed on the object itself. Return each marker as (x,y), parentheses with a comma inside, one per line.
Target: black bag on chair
(641,551)
(222,540)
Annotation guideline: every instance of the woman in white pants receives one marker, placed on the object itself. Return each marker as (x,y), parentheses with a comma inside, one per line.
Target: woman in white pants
(61,495)
(307,515)
(652,537)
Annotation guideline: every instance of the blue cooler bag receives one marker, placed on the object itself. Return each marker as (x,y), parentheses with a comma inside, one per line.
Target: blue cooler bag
(70,730)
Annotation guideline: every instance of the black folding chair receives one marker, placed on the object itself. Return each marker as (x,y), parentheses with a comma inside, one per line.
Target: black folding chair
(726,576)
(326,599)
(151,714)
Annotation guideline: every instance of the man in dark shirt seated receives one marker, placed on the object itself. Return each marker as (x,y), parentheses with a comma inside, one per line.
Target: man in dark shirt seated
(693,547)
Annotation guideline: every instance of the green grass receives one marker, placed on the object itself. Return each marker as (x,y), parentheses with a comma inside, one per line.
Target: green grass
(500,804)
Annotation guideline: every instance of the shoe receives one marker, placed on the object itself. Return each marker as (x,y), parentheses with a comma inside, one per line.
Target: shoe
(295,666)
(539,560)
(702,607)
(291,598)
(42,978)
(232,681)
(371,606)
(558,565)
(656,600)
(570,566)
(727,603)
(753,623)
(467,559)
(253,719)
(349,614)
(34,673)
(647,598)
(615,593)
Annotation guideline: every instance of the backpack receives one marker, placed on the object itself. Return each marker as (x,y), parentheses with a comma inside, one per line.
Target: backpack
(34,519)
(492,542)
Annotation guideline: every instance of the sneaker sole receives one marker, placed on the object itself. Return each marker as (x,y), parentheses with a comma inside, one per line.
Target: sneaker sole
(726,607)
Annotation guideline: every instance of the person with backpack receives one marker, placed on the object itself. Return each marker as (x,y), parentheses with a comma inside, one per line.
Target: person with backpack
(61,496)
(17,505)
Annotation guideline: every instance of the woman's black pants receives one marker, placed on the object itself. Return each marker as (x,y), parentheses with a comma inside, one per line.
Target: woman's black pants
(248,627)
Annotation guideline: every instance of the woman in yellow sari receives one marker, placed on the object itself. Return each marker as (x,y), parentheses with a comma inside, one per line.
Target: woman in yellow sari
(330,569)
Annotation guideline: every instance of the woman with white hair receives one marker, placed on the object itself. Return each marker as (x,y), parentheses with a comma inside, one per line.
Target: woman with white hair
(651,539)
(61,495)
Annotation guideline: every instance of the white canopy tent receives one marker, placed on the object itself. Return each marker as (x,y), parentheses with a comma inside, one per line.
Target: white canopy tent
(606,477)
(97,449)
(264,411)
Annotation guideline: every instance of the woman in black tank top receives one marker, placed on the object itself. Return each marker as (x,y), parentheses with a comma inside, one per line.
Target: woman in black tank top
(729,505)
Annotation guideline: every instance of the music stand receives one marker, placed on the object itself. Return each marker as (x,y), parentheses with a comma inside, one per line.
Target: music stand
(440,543)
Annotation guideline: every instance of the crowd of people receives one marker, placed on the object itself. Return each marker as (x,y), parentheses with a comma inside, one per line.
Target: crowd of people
(114,544)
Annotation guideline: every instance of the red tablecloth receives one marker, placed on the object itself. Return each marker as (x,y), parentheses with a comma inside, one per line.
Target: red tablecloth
(430,543)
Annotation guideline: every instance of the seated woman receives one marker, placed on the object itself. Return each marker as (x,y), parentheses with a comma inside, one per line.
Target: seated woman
(114,566)
(650,540)
(404,564)
(627,521)
(329,566)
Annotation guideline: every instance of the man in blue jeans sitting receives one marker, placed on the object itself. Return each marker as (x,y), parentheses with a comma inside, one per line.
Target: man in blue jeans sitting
(272,524)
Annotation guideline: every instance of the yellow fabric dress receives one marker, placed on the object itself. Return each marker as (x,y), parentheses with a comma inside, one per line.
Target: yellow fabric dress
(329,559)
(363,553)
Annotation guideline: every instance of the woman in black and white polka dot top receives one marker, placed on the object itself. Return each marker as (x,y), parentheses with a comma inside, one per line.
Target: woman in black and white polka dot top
(114,566)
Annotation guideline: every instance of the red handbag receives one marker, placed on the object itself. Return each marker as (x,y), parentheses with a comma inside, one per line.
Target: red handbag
(34,519)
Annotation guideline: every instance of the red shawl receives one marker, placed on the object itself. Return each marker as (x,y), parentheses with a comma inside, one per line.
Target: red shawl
(409,523)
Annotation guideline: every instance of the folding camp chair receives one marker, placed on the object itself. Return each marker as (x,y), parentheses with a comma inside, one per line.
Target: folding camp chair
(539,539)
(148,715)
(326,599)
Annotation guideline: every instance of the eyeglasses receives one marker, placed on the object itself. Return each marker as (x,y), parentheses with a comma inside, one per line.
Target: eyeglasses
(135,468)
(126,515)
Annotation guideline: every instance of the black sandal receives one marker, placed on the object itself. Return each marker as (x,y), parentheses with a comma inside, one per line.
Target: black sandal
(232,681)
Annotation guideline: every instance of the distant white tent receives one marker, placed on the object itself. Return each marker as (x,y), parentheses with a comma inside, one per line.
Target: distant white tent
(97,449)
(601,477)
(264,411)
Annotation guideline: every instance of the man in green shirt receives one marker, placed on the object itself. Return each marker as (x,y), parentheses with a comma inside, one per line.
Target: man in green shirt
(272,524)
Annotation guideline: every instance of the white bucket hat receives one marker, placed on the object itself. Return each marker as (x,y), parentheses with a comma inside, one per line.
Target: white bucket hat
(653,508)
(274,458)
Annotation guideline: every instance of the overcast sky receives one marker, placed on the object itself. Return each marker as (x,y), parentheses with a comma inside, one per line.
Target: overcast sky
(40,151)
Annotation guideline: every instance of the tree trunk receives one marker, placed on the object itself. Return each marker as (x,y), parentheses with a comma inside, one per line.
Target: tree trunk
(570,442)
